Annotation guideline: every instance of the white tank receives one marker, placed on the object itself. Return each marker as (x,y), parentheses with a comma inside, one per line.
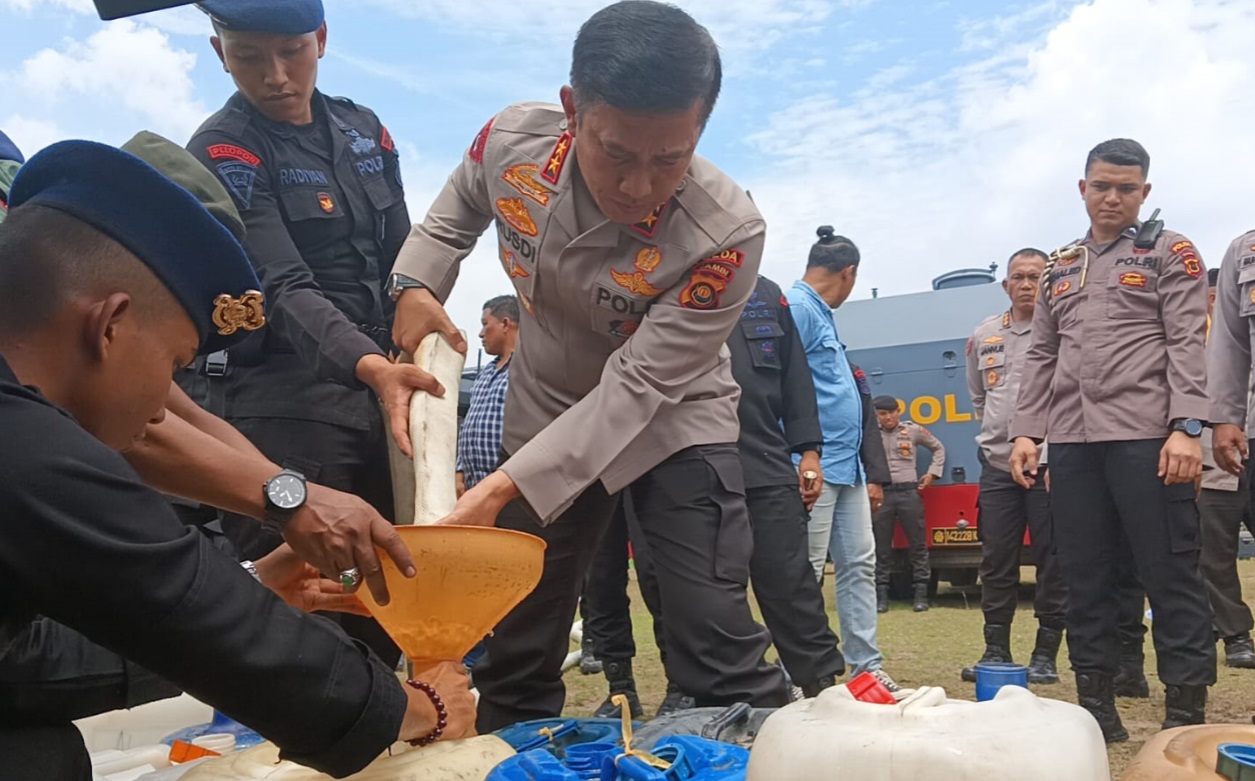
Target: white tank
(926,737)
(455,760)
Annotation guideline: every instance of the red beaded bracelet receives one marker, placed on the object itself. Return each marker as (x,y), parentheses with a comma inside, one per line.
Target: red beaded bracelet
(442,715)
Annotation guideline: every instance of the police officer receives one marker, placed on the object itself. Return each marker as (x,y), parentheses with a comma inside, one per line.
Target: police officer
(1115,379)
(317,183)
(632,258)
(903,504)
(995,364)
(111,275)
(1231,333)
(10,160)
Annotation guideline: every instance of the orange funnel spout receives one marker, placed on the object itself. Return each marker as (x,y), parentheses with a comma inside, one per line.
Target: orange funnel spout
(469,578)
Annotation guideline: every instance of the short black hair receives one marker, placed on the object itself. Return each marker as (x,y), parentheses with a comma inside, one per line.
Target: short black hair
(48,257)
(1027,252)
(646,57)
(1119,151)
(502,307)
(832,252)
(1213,276)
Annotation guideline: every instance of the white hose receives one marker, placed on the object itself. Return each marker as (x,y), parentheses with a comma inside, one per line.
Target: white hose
(434,432)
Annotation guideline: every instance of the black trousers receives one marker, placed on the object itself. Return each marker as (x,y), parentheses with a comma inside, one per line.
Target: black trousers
(1223,513)
(692,513)
(1099,492)
(791,600)
(605,605)
(55,753)
(903,505)
(350,460)
(1006,510)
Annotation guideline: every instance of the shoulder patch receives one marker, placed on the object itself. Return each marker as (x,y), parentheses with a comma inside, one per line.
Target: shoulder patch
(784,302)
(860,379)
(233,152)
(385,139)
(476,152)
(1185,250)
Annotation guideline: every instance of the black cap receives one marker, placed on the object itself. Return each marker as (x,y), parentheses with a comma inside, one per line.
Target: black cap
(886,403)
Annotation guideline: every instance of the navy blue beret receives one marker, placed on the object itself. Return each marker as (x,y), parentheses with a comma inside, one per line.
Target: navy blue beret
(275,17)
(162,224)
(9,150)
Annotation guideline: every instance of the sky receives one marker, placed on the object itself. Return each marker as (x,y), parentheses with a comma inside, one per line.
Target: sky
(935,135)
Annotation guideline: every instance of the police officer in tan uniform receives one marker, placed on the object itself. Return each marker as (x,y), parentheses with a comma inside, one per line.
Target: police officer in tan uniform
(1115,379)
(632,258)
(1230,335)
(903,503)
(995,364)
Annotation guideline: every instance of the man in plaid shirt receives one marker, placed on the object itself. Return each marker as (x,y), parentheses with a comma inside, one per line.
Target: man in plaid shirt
(479,441)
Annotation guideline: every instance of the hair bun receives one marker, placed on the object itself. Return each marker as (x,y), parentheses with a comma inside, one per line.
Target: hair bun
(826,232)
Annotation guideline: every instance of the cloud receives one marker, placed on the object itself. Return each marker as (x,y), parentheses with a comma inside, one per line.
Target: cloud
(82,6)
(960,169)
(31,135)
(122,66)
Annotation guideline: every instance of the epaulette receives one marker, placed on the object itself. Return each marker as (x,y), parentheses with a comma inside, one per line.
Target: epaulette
(344,100)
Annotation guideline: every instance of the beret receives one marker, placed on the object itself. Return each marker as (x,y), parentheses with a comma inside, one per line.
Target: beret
(193,254)
(189,173)
(9,150)
(887,403)
(274,17)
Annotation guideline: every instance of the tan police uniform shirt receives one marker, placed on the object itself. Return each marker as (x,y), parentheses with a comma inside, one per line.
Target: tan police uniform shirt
(995,363)
(621,359)
(1117,350)
(900,449)
(1229,343)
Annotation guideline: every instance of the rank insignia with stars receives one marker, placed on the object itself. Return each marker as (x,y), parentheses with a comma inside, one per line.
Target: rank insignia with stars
(649,226)
(557,159)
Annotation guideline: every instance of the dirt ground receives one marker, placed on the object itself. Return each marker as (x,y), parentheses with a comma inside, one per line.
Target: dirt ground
(930,649)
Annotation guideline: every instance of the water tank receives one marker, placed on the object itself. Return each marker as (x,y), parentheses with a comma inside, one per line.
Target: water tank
(965,277)
(1016,735)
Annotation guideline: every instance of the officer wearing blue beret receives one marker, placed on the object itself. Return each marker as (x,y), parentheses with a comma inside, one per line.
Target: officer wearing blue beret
(317,183)
(112,275)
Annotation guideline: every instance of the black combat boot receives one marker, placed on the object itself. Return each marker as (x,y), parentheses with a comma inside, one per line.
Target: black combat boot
(589,664)
(1184,705)
(921,598)
(997,649)
(675,701)
(1130,680)
(1041,665)
(1239,651)
(619,676)
(1094,693)
(882,599)
(810,690)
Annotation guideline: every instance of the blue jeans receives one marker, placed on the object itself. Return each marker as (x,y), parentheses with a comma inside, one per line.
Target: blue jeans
(841,525)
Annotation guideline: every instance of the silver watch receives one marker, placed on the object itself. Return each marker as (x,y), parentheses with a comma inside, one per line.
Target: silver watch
(399,283)
(251,569)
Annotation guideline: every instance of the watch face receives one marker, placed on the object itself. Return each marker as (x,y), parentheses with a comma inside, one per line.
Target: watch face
(1194,428)
(287,492)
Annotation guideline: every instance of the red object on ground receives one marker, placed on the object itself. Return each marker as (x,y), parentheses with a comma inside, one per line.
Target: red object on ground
(867,688)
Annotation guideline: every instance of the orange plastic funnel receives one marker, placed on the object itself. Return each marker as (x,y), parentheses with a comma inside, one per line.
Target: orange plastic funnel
(469,578)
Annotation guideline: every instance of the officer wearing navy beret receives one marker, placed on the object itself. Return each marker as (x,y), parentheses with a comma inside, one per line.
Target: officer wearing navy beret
(317,183)
(112,275)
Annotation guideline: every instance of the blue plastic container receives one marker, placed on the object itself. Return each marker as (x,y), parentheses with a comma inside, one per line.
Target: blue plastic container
(691,758)
(1235,761)
(222,724)
(992,676)
(556,735)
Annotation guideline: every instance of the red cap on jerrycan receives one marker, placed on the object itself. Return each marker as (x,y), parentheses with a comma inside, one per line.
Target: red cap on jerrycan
(866,687)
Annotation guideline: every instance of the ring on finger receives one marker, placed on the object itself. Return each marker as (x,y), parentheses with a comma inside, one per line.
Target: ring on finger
(350,578)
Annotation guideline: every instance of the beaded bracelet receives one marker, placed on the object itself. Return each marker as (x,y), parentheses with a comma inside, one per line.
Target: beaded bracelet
(442,715)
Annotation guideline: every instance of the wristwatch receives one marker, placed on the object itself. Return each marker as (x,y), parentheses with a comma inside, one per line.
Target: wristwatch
(399,283)
(285,494)
(1188,426)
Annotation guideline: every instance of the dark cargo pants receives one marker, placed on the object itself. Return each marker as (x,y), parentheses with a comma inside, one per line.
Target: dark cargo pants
(903,505)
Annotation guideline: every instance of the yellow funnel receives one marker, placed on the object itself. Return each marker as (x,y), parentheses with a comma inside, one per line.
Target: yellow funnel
(469,578)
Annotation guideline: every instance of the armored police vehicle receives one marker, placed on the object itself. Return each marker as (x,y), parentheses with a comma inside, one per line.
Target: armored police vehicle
(912,347)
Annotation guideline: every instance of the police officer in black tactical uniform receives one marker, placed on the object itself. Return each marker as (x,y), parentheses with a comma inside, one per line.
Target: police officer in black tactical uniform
(317,183)
(779,417)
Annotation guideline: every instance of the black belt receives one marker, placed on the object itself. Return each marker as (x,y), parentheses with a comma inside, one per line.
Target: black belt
(902,487)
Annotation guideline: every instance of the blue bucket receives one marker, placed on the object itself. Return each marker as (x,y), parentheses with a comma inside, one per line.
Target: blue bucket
(992,676)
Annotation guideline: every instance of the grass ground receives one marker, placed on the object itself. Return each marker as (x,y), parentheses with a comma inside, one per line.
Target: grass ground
(930,649)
